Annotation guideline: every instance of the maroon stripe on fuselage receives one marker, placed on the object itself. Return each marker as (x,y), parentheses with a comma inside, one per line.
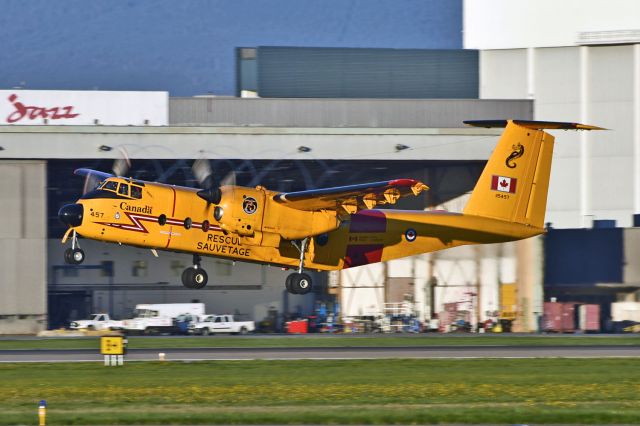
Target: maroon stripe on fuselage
(368,221)
(173,213)
(365,254)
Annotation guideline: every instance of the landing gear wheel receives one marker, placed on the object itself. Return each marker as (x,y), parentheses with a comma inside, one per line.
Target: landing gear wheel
(194,278)
(299,283)
(74,256)
(287,283)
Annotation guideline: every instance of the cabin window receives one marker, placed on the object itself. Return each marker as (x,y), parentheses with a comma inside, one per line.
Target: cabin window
(136,192)
(110,185)
(124,189)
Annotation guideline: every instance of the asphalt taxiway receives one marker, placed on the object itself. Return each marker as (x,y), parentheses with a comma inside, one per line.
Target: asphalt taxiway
(321,353)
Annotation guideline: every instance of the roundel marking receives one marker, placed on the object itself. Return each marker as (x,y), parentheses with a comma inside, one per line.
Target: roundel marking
(249,205)
(411,235)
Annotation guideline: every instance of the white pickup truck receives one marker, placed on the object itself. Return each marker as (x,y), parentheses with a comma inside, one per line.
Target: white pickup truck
(213,324)
(97,322)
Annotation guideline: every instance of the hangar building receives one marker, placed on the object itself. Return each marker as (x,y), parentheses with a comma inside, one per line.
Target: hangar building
(580,68)
(259,143)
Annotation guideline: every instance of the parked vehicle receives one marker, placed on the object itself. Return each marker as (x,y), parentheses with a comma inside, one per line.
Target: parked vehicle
(97,322)
(161,318)
(221,324)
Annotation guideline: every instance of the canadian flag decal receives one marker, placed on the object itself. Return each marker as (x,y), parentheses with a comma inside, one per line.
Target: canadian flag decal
(504,184)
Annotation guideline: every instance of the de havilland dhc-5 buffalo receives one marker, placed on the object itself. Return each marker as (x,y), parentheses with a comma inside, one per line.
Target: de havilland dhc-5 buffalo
(320,229)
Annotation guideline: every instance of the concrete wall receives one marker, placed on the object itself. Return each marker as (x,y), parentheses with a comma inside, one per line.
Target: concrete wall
(23,256)
(508,24)
(255,143)
(594,175)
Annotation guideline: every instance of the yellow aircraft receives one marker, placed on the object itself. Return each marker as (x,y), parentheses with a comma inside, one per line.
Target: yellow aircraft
(320,229)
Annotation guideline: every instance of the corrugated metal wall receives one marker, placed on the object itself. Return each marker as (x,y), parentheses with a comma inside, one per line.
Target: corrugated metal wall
(379,113)
(298,72)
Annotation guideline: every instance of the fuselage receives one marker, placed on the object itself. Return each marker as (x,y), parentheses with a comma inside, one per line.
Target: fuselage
(165,217)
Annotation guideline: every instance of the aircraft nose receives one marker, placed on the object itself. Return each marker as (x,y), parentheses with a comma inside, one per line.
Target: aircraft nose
(71,214)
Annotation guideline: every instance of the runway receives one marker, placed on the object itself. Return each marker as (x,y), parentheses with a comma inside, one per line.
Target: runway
(320,353)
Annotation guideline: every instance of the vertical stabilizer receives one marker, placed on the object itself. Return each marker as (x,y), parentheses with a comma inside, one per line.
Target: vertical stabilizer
(514,183)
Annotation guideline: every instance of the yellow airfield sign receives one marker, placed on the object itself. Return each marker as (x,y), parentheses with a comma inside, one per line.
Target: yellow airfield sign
(112,345)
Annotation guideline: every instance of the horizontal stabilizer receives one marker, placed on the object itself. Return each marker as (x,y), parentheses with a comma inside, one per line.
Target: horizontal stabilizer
(538,125)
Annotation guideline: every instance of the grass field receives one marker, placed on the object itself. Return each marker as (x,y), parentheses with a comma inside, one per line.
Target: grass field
(326,341)
(590,391)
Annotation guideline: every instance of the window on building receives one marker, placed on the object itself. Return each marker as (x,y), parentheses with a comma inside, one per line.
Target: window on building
(139,268)
(107,268)
(177,266)
(70,272)
(223,267)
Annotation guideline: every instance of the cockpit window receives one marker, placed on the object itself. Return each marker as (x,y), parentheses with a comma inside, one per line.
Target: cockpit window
(110,185)
(136,191)
(124,189)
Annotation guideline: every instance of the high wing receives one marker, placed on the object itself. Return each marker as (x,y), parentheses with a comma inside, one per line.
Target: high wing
(93,173)
(352,198)
(92,178)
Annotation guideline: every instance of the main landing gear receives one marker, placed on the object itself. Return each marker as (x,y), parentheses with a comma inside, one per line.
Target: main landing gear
(194,276)
(299,282)
(74,255)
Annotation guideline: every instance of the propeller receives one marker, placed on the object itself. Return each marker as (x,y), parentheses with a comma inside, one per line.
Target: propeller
(122,164)
(210,191)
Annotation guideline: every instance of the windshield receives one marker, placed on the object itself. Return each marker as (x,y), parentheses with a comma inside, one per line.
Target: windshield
(110,185)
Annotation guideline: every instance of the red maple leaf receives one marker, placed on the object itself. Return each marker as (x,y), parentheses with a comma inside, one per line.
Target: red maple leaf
(504,183)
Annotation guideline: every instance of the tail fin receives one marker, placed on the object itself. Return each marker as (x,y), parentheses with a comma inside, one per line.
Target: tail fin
(514,184)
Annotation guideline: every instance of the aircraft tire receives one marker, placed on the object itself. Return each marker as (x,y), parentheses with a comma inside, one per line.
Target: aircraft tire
(187,277)
(68,256)
(73,256)
(287,283)
(300,283)
(194,278)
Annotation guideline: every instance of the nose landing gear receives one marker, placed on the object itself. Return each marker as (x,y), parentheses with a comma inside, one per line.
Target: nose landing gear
(195,277)
(299,282)
(74,255)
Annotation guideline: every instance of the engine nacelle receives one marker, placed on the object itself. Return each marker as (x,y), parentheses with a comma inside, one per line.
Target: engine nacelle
(240,210)
(253,213)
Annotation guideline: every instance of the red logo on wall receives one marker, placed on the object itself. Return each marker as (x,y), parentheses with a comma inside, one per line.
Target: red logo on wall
(29,112)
